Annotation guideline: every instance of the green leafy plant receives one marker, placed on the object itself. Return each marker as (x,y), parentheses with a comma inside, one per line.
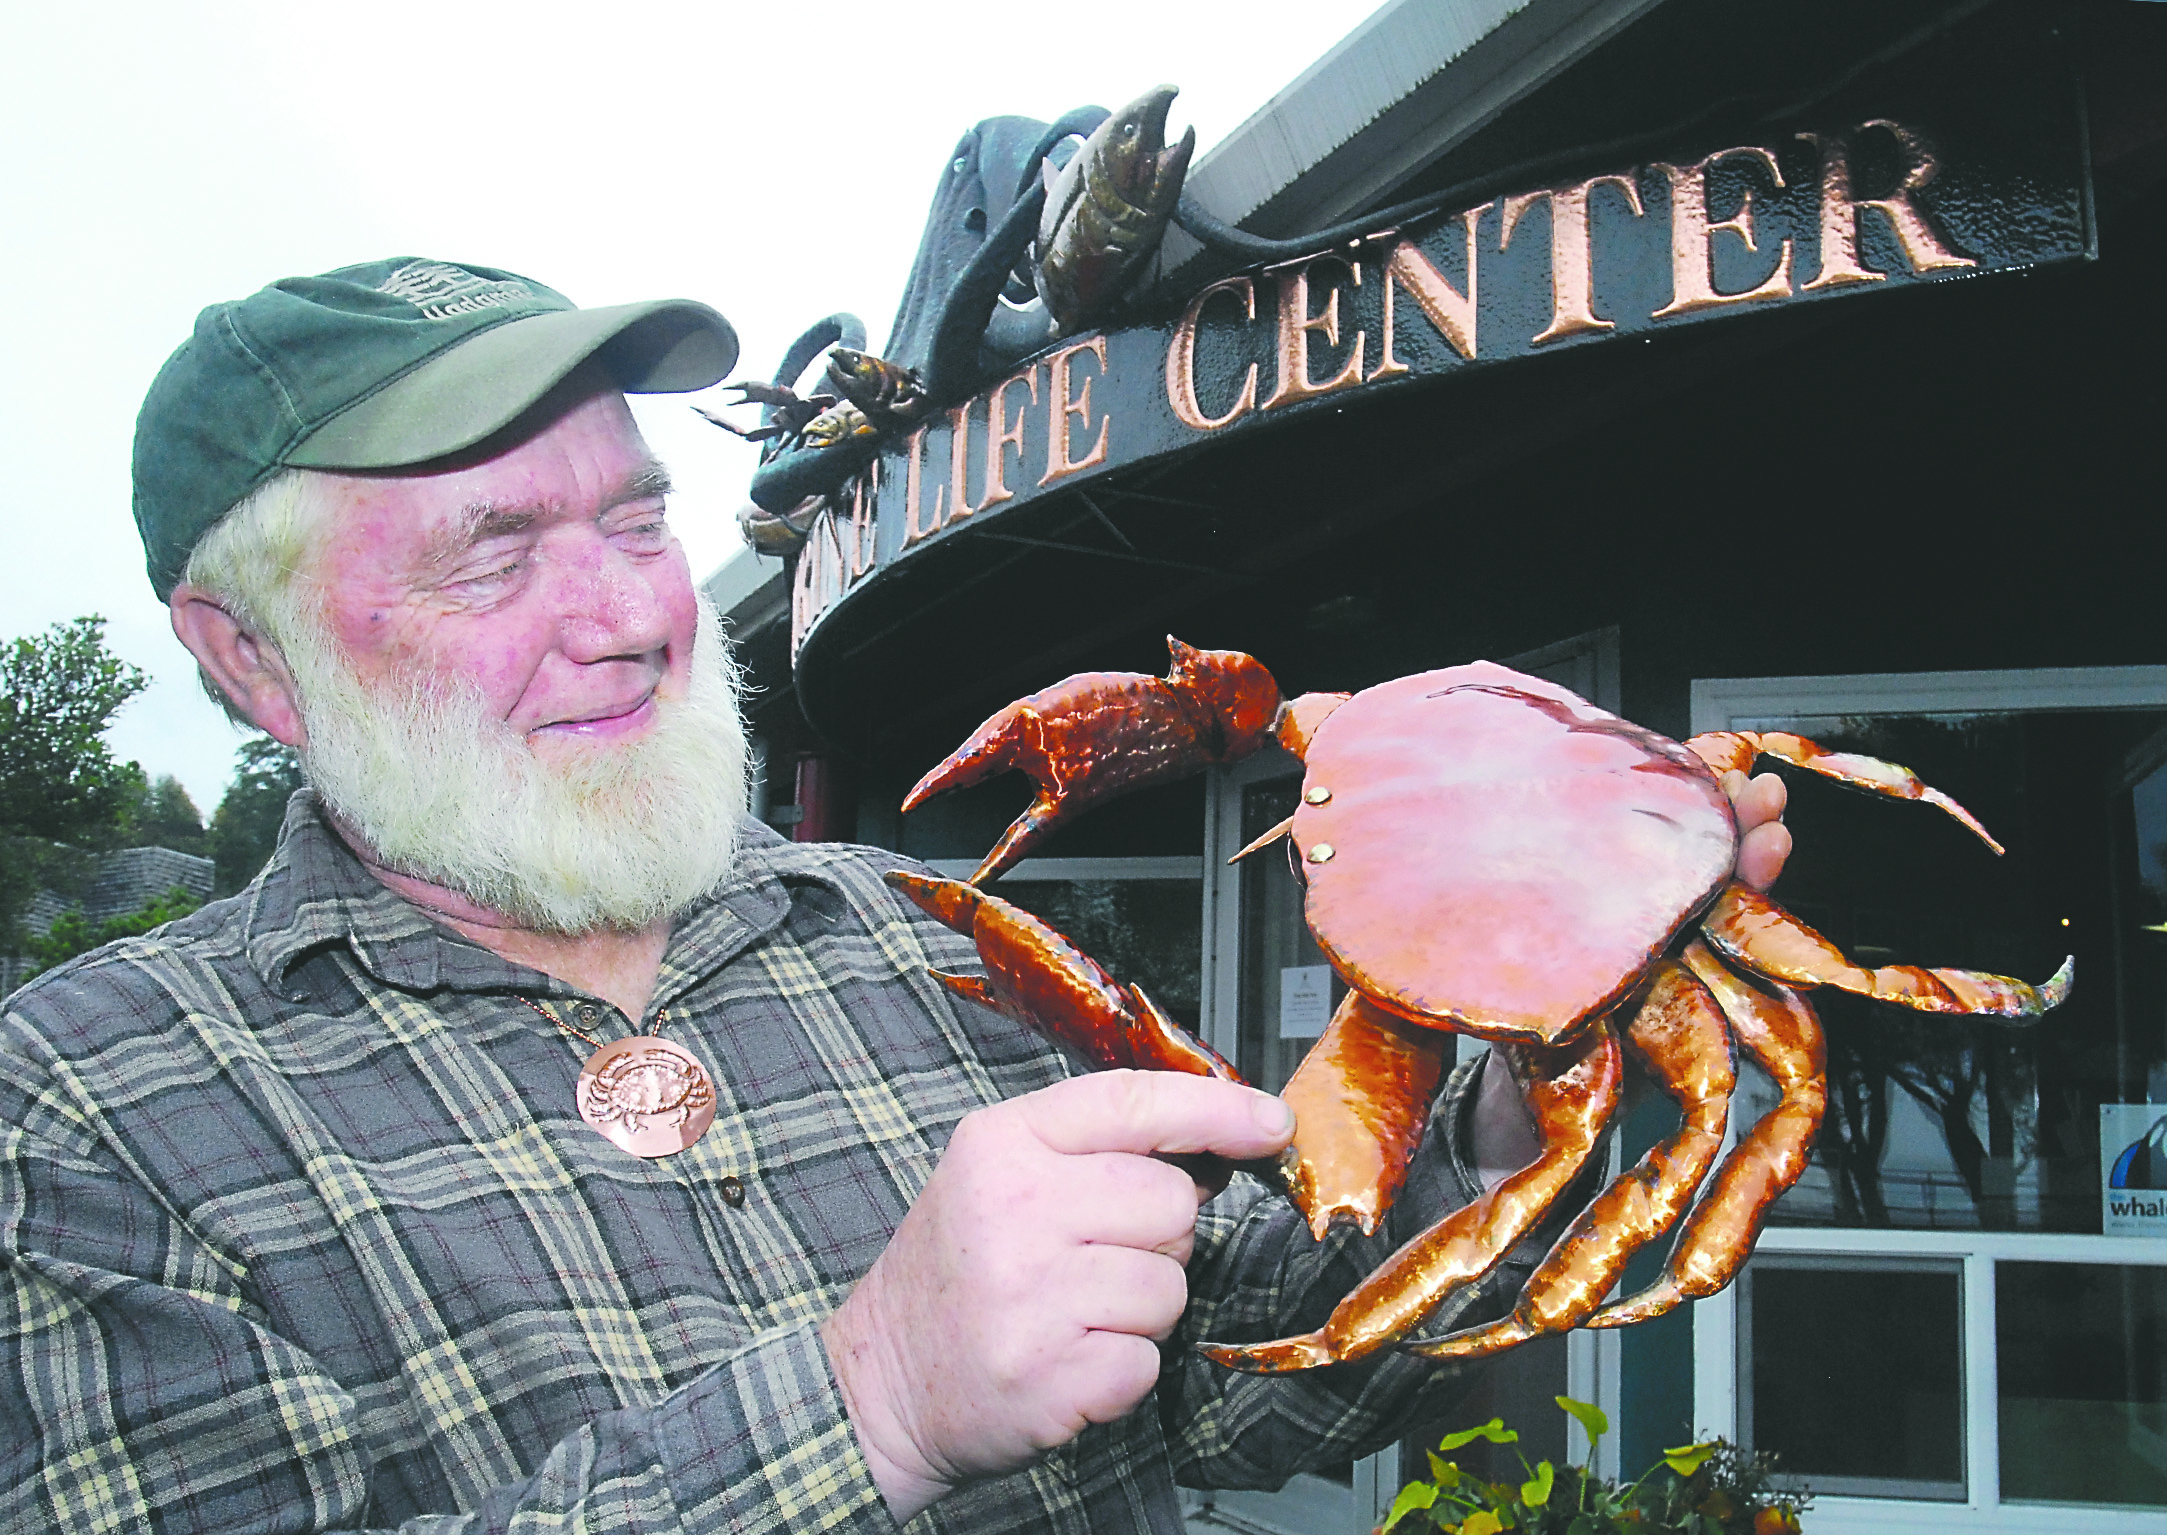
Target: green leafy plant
(73,933)
(1713,1488)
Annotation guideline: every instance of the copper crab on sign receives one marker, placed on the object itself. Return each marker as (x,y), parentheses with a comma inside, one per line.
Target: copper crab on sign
(1485,853)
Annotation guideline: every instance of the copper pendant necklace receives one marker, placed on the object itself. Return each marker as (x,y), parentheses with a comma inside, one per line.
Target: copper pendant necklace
(643,1093)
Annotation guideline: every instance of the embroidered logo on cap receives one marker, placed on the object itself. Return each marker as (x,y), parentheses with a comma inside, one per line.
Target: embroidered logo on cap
(444,292)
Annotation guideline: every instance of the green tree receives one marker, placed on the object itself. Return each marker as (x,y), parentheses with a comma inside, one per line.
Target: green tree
(166,816)
(58,693)
(244,827)
(59,784)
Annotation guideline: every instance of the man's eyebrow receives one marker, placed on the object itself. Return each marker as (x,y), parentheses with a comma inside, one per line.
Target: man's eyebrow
(477,523)
(480,521)
(649,480)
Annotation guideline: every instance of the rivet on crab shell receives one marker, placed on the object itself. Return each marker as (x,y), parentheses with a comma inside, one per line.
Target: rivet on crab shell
(1321,853)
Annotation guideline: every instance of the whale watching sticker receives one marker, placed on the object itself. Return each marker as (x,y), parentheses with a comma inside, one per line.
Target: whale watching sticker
(2133,1169)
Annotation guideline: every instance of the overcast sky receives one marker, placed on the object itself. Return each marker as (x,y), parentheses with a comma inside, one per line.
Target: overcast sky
(775,160)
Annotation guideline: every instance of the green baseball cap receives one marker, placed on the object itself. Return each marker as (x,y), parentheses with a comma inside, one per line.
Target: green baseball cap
(379,366)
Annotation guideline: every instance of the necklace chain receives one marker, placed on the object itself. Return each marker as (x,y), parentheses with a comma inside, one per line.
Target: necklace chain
(577,1032)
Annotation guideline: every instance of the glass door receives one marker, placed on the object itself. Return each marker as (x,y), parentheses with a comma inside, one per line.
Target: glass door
(1946,1324)
(1267,993)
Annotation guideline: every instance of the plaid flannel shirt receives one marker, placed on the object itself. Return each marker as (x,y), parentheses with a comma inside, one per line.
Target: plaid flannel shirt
(299,1230)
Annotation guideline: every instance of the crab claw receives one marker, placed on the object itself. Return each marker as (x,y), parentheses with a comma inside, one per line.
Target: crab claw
(1044,982)
(1097,735)
(1305,1352)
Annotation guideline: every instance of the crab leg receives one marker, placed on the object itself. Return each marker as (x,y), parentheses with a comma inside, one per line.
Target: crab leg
(1747,927)
(1728,751)
(1361,1096)
(1097,735)
(1679,1035)
(1044,982)
(1361,1101)
(1571,1090)
(1778,1029)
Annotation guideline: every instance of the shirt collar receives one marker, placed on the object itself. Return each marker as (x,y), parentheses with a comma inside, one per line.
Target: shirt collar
(315,893)
(753,901)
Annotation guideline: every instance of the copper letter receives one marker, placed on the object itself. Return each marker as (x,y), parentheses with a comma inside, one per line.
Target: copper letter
(1059,407)
(1692,273)
(1295,324)
(914,473)
(819,578)
(1572,261)
(1004,434)
(1452,313)
(801,602)
(1840,264)
(959,466)
(1181,361)
(864,503)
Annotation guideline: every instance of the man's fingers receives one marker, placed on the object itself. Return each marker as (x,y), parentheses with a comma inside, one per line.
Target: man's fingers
(1761,854)
(1023,1295)
(1151,1111)
(1764,842)
(1122,1289)
(1755,801)
(1133,1201)
(1208,1174)
(1114,1372)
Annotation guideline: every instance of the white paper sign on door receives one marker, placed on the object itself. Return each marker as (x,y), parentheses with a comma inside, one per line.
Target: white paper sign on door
(1305,1001)
(2133,1169)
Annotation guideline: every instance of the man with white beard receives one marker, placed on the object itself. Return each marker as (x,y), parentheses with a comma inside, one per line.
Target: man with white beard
(538,1141)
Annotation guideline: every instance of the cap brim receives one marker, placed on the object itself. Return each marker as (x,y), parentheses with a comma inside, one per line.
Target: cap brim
(479,387)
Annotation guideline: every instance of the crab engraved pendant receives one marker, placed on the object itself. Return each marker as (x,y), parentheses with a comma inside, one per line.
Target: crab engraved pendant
(646,1095)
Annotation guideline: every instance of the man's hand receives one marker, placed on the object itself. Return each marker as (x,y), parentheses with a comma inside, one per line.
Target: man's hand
(1764,841)
(1026,1293)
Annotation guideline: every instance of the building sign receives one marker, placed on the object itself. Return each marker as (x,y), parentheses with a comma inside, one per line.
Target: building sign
(1819,212)
(1305,1000)
(2133,1169)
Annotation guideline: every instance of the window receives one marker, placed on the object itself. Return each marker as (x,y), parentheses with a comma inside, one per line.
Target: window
(1940,1328)
(2083,1381)
(1287,988)
(1854,1370)
(1942,1123)
(1125,881)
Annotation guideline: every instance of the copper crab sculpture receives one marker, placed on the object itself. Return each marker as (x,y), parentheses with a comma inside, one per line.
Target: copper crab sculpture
(1485,853)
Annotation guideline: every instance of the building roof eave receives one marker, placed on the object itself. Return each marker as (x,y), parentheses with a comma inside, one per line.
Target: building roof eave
(1411,83)
(749,589)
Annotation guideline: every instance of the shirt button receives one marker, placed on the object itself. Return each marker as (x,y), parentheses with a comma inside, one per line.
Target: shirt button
(589,1014)
(733,1191)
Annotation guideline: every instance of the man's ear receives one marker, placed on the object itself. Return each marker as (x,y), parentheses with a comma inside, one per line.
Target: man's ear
(246,667)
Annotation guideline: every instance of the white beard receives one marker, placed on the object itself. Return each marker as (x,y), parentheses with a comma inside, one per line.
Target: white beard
(596,836)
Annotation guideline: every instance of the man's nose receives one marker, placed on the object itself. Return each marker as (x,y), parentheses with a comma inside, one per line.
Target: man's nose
(608,607)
